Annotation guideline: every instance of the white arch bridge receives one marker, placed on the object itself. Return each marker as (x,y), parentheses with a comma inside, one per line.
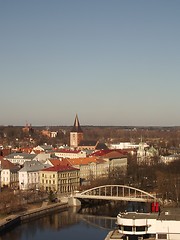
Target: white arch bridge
(116,193)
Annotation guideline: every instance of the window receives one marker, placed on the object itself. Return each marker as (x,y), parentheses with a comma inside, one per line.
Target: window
(128,228)
(140,228)
(162,236)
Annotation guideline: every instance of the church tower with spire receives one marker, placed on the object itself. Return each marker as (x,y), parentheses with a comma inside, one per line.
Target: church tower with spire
(76,134)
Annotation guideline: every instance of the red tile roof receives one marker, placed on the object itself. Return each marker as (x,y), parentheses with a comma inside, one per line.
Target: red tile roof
(6,164)
(62,162)
(67,151)
(5,151)
(60,168)
(105,152)
(25,150)
(82,161)
(37,151)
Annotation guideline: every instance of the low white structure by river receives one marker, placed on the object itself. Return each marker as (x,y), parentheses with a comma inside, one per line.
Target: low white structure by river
(149,225)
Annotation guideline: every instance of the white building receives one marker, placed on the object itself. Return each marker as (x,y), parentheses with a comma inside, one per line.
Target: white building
(43,148)
(9,174)
(41,156)
(170,158)
(149,225)
(54,134)
(29,175)
(145,154)
(124,145)
(20,158)
(70,153)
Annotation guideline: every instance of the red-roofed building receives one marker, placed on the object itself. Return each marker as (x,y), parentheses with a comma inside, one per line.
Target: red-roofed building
(105,152)
(56,161)
(9,174)
(5,151)
(59,178)
(24,150)
(101,165)
(90,168)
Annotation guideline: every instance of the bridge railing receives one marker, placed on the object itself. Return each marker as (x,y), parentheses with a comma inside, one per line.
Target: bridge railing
(120,191)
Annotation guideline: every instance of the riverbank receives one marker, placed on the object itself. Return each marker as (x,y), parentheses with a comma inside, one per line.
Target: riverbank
(37,212)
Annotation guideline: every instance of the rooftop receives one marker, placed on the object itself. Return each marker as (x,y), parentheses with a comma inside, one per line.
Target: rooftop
(171,214)
(60,168)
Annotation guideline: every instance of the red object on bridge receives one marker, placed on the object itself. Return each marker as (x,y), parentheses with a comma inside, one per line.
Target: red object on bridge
(155,207)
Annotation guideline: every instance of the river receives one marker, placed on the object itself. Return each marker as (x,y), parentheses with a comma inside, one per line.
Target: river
(75,223)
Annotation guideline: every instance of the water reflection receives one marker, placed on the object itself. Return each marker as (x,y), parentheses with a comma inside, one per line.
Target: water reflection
(41,226)
(75,223)
(64,225)
(110,209)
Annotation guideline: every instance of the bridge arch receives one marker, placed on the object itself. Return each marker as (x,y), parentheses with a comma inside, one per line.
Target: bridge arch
(117,192)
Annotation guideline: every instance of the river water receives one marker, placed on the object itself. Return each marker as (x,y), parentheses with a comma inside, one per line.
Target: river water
(75,223)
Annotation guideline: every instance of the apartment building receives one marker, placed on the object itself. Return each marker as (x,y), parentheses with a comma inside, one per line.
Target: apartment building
(61,179)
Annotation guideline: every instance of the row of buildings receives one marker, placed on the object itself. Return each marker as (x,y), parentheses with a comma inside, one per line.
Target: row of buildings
(67,168)
(47,171)
(62,170)
(143,151)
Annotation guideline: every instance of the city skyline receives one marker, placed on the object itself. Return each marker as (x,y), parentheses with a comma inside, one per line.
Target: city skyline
(113,63)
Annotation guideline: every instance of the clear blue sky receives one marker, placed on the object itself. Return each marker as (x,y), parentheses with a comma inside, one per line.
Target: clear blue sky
(113,62)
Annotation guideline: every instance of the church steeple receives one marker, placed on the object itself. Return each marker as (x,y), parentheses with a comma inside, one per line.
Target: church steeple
(76,127)
(76,134)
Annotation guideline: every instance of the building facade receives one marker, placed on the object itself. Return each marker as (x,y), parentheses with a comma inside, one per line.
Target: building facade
(70,153)
(20,158)
(29,175)
(60,179)
(95,167)
(9,174)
